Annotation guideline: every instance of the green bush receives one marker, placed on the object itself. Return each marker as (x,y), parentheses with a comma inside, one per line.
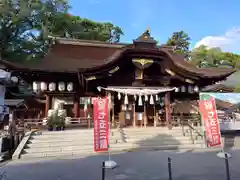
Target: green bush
(55,120)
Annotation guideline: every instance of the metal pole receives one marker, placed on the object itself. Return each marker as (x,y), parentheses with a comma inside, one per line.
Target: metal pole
(109,125)
(103,170)
(227,167)
(169,168)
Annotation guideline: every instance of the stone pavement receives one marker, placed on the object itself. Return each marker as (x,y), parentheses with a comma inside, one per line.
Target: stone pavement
(150,165)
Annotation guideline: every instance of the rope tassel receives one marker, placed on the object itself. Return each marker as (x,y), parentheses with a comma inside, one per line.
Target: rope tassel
(151,100)
(126,99)
(140,103)
(119,96)
(146,98)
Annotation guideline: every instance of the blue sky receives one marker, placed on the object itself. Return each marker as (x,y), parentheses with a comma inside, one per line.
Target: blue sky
(211,22)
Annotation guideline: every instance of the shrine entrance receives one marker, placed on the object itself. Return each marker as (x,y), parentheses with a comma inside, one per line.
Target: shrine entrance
(139,107)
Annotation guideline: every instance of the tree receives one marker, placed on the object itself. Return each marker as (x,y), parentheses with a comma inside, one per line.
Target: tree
(66,25)
(213,57)
(26,25)
(181,41)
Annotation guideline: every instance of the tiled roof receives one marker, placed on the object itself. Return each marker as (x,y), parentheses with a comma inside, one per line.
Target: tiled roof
(68,55)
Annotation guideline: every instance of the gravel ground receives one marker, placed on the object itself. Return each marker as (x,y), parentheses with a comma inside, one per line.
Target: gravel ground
(151,165)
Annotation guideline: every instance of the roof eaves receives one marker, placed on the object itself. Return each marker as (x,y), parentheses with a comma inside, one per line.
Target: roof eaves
(78,42)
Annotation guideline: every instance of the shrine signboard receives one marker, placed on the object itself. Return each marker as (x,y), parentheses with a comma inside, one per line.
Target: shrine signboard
(100,118)
(209,117)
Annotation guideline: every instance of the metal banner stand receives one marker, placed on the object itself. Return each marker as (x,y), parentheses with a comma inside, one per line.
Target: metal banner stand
(109,164)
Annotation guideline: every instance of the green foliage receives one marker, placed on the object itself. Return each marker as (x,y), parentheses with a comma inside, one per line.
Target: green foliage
(26,25)
(66,25)
(214,57)
(181,41)
(203,56)
(56,120)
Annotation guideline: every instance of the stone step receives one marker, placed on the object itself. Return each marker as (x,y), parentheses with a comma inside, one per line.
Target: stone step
(64,143)
(147,136)
(150,135)
(72,131)
(59,149)
(146,130)
(151,128)
(78,142)
(48,145)
(71,146)
(163,141)
(113,138)
(133,141)
(115,149)
(76,137)
(63,134)
(82,133)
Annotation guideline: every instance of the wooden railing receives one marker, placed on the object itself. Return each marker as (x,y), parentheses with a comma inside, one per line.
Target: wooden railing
(187,122)
(70,122)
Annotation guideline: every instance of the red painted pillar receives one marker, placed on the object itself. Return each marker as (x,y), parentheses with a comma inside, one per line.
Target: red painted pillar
(168,117)
(76,106)
(47,104)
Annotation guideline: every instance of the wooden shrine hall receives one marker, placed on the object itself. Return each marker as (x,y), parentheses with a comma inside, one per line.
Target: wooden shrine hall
(144,79)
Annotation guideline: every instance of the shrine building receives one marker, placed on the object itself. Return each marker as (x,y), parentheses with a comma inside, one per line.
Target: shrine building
(145,81)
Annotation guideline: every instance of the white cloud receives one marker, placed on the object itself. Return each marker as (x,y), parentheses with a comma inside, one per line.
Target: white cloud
(227,42)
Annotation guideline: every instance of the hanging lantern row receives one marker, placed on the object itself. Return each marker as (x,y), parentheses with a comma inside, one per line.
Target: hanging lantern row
(52,86)
(153,99)
(189,89)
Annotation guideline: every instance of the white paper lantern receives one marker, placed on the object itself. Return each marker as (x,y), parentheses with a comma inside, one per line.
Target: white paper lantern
(43,86)
(14,79)
(36,86)
(70,86)
(183,89)
(52,86)
(61,86)
(190,89)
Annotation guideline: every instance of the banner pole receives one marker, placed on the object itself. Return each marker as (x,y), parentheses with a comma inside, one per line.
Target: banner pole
(223,154)
(109,127)
(109,164)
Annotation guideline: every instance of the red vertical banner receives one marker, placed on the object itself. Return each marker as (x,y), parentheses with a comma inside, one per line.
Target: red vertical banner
(100,118)
(208,110)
